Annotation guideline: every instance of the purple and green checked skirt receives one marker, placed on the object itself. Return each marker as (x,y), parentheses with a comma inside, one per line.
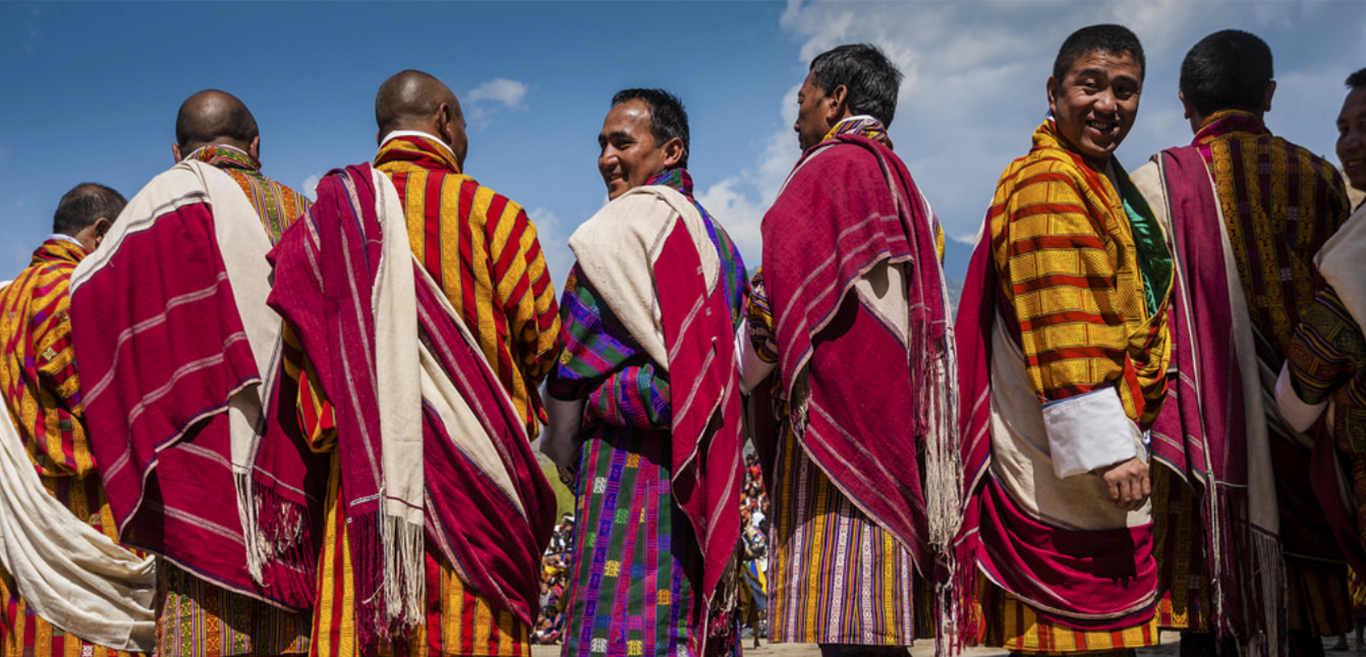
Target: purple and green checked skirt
(629,596)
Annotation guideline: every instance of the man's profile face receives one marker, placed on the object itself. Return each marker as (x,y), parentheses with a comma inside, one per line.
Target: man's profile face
(1095,104)
(812,124)
(1352,138)
(629,156)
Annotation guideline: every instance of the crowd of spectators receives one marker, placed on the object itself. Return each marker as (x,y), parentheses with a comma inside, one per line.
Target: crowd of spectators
(557,562)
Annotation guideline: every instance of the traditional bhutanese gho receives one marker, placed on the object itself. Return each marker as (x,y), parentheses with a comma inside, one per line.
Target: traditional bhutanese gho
(1247,212)
(173,334)
(67,587)
(429,458)
(651,308)
(852,275)
(1063,347)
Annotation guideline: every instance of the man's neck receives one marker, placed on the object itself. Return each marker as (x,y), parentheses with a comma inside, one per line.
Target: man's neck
(395,134)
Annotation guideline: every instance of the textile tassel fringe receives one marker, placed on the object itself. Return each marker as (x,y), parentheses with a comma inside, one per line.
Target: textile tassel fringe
(1268,560)
(405,563)
(276,541)
(367,550)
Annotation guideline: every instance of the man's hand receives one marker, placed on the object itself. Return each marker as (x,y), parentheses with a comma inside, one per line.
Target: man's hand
(1127,482)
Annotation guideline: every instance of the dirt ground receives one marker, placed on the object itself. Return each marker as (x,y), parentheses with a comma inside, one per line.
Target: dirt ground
(922,649)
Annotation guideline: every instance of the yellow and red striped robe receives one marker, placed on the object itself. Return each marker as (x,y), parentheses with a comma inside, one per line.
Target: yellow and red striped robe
(1070,273)
(42,390)
(482,250)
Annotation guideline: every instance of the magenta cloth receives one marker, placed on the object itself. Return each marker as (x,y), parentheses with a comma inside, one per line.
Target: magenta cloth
(1087,580)
(707,471)
(161,349)
(1200,432)
(324,277)
(819,239)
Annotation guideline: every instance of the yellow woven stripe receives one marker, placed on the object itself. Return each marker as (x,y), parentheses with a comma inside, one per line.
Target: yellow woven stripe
(453,599)
(1026,632)
(483,278)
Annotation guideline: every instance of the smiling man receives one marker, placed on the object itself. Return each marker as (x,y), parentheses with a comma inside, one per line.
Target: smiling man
(656,287)
(1248,211)
(1064,347)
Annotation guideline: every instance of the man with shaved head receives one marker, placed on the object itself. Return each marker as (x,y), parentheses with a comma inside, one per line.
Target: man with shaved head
(181,501)
(42,390)
(479,251)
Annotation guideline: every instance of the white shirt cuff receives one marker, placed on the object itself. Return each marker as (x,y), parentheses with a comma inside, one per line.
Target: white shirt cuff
(1087,432)
(753,369)
(1298,414)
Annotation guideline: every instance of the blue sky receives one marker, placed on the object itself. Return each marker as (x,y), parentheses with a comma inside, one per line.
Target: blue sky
(90,90)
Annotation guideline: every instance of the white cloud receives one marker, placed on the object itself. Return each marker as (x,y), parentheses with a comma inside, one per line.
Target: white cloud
(499,90)
(310,186)
(553,235)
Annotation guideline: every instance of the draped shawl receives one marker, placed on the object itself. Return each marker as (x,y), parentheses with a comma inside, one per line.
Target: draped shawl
(399,366)
(1212,429)
(830,259)
(171,331)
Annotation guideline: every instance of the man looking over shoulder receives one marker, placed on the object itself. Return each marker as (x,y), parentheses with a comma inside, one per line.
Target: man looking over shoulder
(1247,210)
(1063,349)
(51,589)
(645,406)
(851,310)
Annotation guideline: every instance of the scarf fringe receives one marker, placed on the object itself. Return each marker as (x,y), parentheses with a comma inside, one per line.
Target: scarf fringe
(275,530)
(405,571)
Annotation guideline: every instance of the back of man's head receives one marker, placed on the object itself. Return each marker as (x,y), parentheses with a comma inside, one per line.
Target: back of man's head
(1230,69)
(668,117)
(1106,38)
(85,204)
(214,117)
(872,80)
(408,99)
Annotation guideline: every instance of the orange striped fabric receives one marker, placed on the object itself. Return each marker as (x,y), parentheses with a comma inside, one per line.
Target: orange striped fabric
(1015,626)
(42,390)
(481,249)
(1063,244)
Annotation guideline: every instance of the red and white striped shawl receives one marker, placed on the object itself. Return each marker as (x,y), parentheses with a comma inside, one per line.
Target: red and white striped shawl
(171,329)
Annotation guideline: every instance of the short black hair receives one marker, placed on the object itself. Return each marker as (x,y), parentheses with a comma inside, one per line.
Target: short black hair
(1229,69)
(1357,80)
(668,117)
(1106,38)
(872,80)
(83,205)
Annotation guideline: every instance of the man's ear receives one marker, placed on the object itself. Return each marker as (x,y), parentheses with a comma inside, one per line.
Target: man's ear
(1051,88)
(441,123)
(673,152)
(175,152)
(839,104)
(1266,99)
(254,148)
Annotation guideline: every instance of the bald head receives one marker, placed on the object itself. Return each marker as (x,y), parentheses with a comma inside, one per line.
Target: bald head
(409,99)
(413,100)
(214,117)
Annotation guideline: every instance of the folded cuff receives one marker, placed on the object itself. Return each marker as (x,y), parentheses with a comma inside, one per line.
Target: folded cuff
(753,369)
(1299,414)
(1087,432)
